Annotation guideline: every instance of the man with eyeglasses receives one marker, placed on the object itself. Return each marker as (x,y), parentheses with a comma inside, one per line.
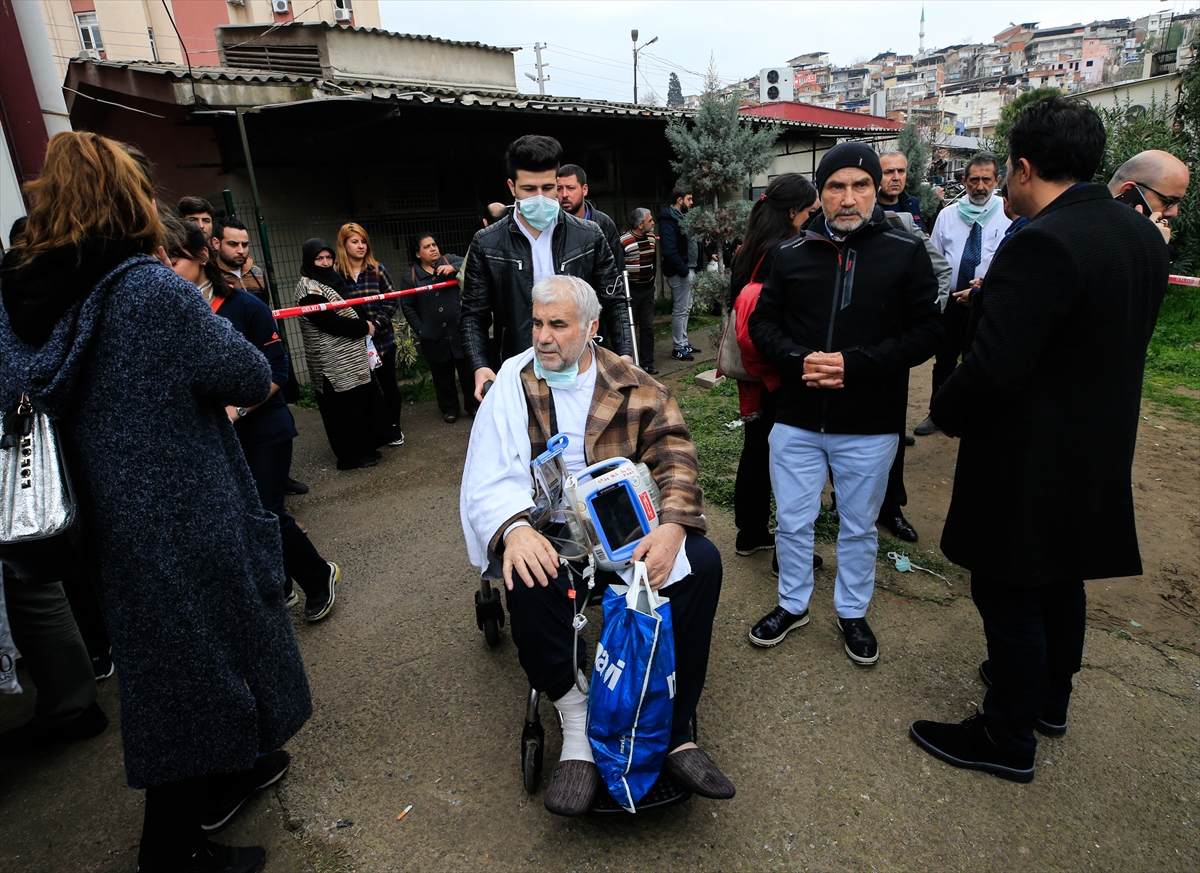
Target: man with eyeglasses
(967,235)
(1162,180)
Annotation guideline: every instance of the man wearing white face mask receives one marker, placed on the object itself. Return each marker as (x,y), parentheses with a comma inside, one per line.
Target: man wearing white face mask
(536,240)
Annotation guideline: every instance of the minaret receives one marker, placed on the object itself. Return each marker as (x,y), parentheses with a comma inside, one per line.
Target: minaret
(921,45)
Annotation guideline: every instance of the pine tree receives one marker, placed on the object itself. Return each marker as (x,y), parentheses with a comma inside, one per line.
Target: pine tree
(909,142)
(674,91)
(717,152)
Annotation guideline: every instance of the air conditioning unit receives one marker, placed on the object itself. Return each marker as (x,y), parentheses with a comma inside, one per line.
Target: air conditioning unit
(340,14)
(280,7)
(236,2)
(89,54)
(775,84)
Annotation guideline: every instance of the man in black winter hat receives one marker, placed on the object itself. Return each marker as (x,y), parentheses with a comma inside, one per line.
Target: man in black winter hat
(850,306)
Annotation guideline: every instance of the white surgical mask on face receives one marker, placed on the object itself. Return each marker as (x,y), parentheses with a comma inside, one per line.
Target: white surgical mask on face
(539,210)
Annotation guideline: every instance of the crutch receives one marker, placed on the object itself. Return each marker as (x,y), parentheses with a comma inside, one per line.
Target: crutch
(632,327)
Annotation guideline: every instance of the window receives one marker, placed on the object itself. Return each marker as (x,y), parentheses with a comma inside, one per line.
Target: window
(1089,63)
(89,31)
(153,44)
(341,4)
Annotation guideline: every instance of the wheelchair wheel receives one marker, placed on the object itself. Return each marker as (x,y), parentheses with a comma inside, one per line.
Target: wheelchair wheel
(489,612)
(491,632)
(532,740)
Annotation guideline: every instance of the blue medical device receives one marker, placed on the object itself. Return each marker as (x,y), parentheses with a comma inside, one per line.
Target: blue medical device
(615,503)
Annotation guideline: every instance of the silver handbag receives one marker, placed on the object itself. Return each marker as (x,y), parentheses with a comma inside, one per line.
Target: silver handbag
(39,524)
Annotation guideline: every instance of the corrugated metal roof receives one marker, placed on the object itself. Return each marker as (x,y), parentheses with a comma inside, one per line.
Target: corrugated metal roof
(417,36)
(810,117)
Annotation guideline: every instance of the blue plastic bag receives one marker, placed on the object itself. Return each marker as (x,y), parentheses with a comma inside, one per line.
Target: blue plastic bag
(632,696)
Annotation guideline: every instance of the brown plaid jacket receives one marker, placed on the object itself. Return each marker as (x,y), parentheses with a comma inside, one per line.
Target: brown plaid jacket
(631,416)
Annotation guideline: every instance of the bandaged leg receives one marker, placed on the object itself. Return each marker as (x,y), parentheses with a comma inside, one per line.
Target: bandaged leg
(573,708)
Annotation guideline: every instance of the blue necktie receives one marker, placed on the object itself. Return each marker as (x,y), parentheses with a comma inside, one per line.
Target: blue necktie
(972,253)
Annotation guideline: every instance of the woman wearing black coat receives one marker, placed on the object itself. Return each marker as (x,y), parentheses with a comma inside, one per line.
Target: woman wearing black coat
(434,315)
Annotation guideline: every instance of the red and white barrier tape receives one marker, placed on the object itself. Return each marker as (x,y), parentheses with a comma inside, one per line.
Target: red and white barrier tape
(293,311)
(1194,281)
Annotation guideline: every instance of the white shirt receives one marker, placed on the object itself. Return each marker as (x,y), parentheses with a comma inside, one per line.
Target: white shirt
(950,234)
(571,407)
(543,253)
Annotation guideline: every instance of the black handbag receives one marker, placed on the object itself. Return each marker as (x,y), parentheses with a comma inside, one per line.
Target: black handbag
(40,538)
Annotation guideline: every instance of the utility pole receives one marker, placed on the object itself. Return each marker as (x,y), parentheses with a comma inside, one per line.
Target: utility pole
(636,48)
(539,78)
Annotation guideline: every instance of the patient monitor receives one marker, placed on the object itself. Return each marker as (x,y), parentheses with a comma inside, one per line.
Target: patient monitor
(608,507)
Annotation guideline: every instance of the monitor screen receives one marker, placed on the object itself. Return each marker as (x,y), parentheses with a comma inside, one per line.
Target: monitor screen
(614,511)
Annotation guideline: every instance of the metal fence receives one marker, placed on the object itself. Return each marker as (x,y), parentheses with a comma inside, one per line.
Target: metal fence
(389,234)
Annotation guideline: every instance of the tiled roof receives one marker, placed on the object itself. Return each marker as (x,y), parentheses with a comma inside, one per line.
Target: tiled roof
(327,26)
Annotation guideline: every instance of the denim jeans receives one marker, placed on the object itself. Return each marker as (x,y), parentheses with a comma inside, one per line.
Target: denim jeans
(800,462)
(681,306)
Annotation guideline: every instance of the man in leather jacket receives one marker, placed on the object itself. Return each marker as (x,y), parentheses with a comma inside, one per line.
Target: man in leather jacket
(538,239)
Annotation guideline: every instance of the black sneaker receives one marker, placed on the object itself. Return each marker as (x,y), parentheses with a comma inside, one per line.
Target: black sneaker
(681,355)
(861,645)
(35,735)
(317,609)
(749,543)
(295,487)
(651,369)
(267,770)
(291,599)
(1053,729)
(775,625)
(692,350)
(215,858)
(968,745)
(102,665)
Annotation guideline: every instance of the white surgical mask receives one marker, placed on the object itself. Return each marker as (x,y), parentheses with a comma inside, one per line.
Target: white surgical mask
(539,210)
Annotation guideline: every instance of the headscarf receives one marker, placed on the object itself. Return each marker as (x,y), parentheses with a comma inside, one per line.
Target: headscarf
(327,276)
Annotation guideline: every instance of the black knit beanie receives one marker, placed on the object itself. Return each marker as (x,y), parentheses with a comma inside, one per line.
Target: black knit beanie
(849,154)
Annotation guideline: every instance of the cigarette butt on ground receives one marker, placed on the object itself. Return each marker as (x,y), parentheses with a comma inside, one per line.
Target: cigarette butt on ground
(404,813)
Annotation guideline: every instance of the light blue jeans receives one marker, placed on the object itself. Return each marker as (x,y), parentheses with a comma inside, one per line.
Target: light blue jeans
(681,307)
(800,461)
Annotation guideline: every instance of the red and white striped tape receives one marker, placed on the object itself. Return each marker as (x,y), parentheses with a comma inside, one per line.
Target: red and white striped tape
(1194,281)
(293,311)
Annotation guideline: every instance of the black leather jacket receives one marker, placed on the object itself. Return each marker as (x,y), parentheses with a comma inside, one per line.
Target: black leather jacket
(608,227)
(498,287)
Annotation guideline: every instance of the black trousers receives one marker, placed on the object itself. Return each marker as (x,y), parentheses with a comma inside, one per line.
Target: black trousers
(1035,645)
(752,487)
(393,403)
(895,496)
(443,385)
(541,628)
(301,562)
(354,421)
(954,323)
(643,317)
(85,606)
(171,830)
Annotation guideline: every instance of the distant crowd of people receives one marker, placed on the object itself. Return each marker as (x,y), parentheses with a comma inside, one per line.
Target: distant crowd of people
(148,338)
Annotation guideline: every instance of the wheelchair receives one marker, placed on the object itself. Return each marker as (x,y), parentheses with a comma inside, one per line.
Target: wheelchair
(489,616)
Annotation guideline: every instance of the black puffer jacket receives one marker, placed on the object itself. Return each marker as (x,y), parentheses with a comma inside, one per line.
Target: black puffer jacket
(608,227)
(499,287)
(872,297)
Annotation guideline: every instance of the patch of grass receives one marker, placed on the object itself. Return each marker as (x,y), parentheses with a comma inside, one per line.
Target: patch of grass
(418,390)
(308,397)
(1173,357)
(718,446)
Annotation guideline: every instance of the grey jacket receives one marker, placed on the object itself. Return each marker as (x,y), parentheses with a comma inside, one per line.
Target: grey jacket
(189,568)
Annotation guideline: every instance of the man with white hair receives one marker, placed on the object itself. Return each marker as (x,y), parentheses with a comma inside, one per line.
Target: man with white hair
(850,306)
(967,235)
(606,408)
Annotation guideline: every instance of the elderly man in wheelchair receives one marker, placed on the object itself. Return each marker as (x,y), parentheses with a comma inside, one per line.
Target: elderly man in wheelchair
(606,408)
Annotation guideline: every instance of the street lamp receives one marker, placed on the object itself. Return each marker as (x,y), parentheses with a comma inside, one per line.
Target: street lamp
(636,48)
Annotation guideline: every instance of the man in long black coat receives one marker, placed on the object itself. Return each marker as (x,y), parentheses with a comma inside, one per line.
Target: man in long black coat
(1046,403)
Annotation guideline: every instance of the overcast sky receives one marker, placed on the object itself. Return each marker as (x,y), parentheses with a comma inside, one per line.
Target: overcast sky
(590,53)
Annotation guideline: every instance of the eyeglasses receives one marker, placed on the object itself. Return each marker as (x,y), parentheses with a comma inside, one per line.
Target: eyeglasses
(1168,202)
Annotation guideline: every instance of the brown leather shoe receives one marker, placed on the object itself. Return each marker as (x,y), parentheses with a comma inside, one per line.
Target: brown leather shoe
(572,788)
(695,771)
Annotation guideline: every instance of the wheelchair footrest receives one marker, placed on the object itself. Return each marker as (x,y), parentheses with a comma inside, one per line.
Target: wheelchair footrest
(489,608)
(663,793)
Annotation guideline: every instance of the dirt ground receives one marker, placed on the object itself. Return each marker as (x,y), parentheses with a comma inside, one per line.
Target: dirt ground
(411,707)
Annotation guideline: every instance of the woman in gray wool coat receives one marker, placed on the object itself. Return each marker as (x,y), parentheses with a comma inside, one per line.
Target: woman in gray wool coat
(136,372)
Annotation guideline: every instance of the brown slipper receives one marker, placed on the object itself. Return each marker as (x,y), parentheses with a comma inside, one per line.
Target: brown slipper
(572,788)
(695,771)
